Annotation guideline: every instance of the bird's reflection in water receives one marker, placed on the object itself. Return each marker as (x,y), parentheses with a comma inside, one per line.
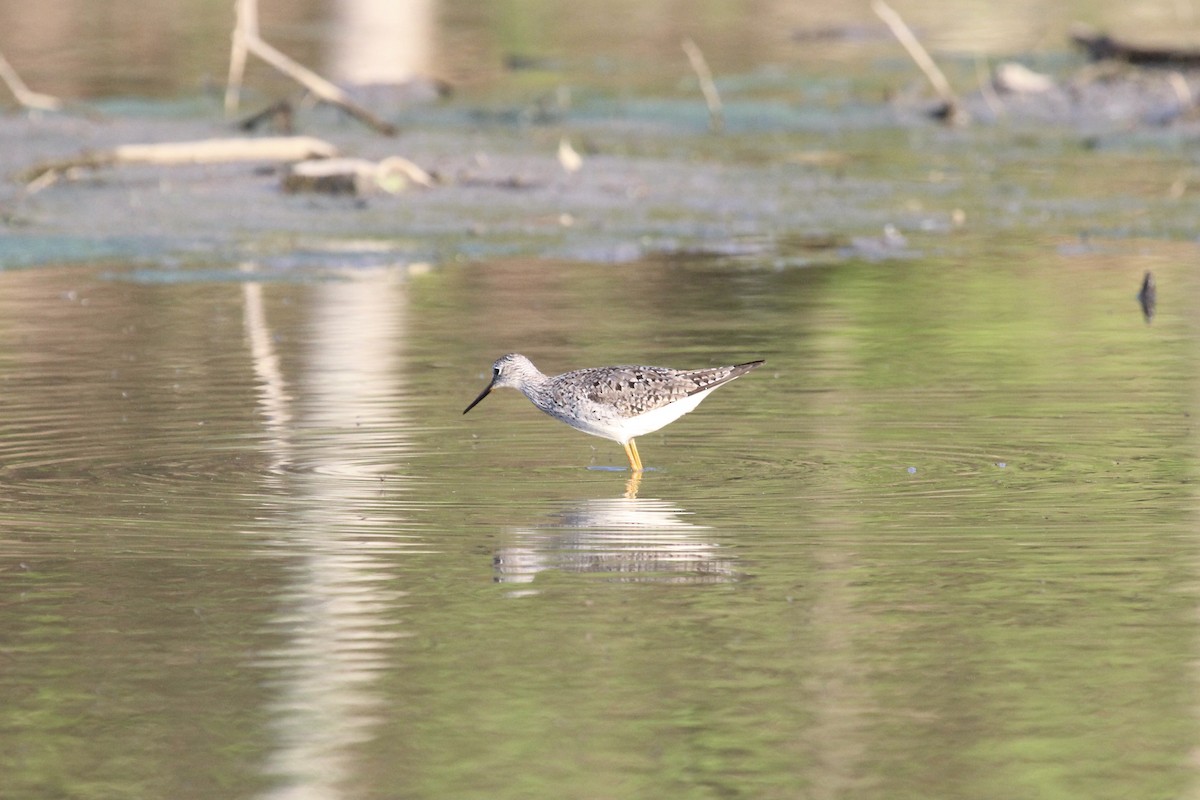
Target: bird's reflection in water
(627,538)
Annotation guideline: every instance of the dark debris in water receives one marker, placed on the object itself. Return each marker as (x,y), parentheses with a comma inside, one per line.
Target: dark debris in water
(1148,296)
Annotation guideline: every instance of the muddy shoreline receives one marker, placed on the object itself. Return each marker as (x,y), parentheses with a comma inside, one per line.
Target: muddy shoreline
(787,183)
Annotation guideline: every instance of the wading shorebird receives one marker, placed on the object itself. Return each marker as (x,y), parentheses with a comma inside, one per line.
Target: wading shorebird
(615,403)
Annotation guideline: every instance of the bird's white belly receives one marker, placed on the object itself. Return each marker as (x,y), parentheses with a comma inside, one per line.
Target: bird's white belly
(622,430)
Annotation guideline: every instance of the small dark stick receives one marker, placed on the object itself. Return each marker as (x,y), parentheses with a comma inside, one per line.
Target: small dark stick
(1148,296)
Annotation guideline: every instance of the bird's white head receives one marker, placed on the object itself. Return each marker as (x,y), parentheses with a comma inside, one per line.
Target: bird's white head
(510,371)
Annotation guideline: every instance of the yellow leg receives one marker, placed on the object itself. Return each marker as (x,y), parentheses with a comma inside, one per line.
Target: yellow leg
(635,460)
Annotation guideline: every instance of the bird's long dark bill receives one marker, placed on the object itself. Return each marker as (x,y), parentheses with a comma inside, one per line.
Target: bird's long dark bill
(482,395)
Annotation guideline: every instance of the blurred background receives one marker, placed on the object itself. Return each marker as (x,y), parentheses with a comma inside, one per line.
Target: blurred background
(99,48)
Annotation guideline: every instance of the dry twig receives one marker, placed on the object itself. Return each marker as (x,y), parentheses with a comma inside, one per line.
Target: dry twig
(246,40)
(35,101)
(952,110)
(716,114)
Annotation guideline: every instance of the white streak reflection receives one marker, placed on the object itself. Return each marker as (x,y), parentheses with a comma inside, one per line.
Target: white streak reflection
(629,538)
(273,402)
(336,620)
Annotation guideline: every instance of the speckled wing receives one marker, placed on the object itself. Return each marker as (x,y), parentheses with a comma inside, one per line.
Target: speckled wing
(635,390)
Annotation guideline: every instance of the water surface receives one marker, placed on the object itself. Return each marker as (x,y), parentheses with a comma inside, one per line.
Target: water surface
(940,546)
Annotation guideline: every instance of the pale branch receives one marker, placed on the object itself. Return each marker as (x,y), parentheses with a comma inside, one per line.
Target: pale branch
(953,111)
(716,115)
(35,101)
(247,41)
(204,151)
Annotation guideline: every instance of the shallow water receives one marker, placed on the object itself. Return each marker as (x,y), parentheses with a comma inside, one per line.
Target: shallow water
(940,546)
